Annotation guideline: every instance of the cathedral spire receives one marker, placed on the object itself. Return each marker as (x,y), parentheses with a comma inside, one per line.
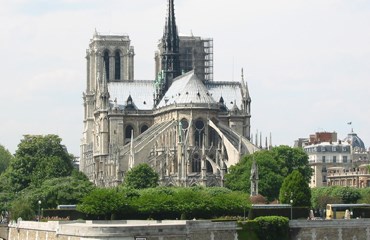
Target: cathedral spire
(170,41)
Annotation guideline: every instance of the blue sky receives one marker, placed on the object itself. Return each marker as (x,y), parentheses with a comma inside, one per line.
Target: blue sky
(307,63)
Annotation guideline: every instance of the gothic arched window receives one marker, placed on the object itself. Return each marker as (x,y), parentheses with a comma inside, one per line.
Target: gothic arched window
(184,129)
(199,131)
(128,130)
(106,63)
(209,167)
(143,128)
(196,163)
(117,66)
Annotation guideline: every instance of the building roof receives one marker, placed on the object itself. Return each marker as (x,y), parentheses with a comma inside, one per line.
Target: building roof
(141,92)
(230,91)
(355,141)
(187,88)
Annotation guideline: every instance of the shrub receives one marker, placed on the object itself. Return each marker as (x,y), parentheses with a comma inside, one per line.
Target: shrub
(272,227)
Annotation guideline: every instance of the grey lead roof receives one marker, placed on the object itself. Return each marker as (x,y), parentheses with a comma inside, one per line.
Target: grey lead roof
(142,92)
(230,91)
(187,88)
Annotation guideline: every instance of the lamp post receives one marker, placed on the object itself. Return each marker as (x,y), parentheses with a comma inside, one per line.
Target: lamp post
(291,209)
(38,219)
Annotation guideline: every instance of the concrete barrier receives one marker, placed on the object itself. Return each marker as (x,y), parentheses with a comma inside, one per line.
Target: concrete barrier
(352,229)
(127,230)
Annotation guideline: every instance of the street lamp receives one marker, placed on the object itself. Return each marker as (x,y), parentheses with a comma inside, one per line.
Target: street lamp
(291,209)
(38,219)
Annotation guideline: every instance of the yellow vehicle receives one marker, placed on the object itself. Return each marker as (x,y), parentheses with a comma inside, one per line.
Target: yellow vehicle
(338,211)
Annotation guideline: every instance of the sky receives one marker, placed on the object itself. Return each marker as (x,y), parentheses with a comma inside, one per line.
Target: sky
(306,63)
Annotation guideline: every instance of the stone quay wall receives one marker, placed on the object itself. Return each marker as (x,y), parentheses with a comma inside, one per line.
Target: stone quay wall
(340,229)
(123,230)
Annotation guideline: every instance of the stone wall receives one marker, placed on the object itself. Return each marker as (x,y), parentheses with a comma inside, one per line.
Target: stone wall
(353,229)
(4,231)
(127,230)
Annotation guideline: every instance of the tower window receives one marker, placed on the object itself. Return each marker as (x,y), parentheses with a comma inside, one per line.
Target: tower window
(106,63)
(128,130)
(117,67)
(144,128)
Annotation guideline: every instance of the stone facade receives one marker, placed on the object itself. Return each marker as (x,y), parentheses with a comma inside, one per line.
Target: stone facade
(189,129)
(123,230)
(337,162)
(354,229)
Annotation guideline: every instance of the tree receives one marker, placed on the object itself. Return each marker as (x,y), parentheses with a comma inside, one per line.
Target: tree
(346,194)
(321,196)
(141,176)
(292,159)
(295,188)
(5,158)
(273,166)
(102,201)
(22,209)
(272,227)
(38,158)
(59,191)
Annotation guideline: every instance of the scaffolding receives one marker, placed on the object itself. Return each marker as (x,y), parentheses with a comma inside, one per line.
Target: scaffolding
(208,59)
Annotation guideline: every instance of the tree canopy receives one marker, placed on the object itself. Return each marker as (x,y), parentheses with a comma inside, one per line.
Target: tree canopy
(165,202)
(59,191)
(321,196)
(102,201)
(141,176)
(295,188)
(38,158)
(5,158)
(273,166)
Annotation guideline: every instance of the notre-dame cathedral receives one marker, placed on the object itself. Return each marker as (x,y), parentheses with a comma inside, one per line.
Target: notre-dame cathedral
(184,124)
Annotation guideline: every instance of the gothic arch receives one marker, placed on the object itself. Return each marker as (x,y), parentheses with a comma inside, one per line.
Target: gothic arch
(209,167)
(117,64)
(128,129)
(196,163)
(106,55)
(199,127)
(144,127)
(184,128)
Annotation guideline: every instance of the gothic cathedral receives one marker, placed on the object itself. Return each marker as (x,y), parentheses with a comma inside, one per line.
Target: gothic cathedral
(185,125)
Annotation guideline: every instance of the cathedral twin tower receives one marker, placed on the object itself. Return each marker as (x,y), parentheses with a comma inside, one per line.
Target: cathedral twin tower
(186,126)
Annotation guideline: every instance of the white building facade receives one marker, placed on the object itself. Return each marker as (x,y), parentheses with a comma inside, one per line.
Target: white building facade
(335,162)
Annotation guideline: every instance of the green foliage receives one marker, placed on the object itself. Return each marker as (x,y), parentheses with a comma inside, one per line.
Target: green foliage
(58,191)
(38,158)
(272,227)
(295,188)
(141,176)
(6,199)
(273,166)
(248,230)
(5,158)
(347,194)
(321,196)
(337,194)
(167,203)
(365,195)
(22,209)
(102,201)
(293,159)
